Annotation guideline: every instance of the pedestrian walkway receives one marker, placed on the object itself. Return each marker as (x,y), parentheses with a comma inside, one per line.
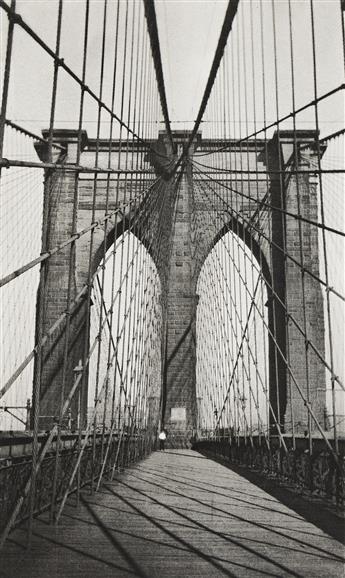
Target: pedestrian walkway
(176,514)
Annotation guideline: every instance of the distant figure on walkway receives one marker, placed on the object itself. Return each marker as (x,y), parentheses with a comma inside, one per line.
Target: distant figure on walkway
(162,437)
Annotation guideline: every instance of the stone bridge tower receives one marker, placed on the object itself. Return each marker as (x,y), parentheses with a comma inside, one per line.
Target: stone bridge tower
(288,191)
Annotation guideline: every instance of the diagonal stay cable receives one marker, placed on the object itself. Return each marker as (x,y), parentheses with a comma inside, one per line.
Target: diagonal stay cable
(150,14)
(17,19)
(224,34)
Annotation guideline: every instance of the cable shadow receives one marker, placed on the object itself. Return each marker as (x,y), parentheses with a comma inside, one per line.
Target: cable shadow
(222,487)
(316,535)
(218,534)
(146,539)
(190,547)
(250,522)
(211,514)
(76,551)
(139,571)
(333,528)
(181,468)
(181,524)
(102,492)
(169,451)
(241,500)
(320,516)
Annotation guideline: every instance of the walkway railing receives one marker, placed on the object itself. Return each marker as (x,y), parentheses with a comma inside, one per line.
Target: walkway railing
(315,475)
(111,453)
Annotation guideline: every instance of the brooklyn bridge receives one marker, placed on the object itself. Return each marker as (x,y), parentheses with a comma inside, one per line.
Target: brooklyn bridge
(172,288)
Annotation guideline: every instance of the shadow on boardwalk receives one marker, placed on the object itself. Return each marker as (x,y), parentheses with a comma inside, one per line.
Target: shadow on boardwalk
(175,516)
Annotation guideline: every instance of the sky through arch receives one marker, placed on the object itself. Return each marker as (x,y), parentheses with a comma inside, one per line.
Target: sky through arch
(232,362)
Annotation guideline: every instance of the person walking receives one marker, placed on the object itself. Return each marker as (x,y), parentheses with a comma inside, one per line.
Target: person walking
(162,437)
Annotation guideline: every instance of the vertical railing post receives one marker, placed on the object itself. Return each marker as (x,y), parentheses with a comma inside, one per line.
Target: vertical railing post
(28,414)
(78,370)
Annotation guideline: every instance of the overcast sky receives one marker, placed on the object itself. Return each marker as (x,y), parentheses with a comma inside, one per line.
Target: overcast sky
(189,31)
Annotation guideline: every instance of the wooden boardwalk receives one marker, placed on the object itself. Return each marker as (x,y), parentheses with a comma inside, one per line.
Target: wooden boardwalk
(176,514)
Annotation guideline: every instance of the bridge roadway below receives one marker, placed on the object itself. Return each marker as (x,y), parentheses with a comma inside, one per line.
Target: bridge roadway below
(175,514)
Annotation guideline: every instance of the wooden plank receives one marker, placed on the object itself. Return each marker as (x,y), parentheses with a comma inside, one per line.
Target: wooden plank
(176,514)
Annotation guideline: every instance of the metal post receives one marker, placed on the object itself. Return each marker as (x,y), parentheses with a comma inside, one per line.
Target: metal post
(28,414)
(77,371)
